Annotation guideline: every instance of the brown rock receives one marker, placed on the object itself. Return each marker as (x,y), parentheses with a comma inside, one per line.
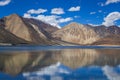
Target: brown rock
(76,33)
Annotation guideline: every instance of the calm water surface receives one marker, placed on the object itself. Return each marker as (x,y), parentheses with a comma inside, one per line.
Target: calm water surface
(59,63)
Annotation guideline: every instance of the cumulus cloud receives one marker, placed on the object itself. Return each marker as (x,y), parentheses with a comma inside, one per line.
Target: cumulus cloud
(27,15)
(93,24)
(92,13)
(57,11)
(111,18)
(53,20)
(39,11)
(111,1)
(77,8)
(62,20)
(108,2)
(4,2)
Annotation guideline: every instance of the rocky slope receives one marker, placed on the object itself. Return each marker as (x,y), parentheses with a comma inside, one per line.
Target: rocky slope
(29,30)
(76,33)
(88,35)
(108,35)
(45,28)
(108,40)
(9,38)
(18,30)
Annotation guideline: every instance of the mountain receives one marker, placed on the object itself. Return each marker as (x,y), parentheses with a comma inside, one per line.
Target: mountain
(18,30)
(88,35)
(9,38)
(109,35)
(76,33)
(30,30)
(45,28)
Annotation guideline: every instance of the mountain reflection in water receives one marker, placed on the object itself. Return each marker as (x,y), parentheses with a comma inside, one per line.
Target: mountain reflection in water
(61,61)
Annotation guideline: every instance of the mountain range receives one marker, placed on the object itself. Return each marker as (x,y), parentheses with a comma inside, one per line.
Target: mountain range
(16,30)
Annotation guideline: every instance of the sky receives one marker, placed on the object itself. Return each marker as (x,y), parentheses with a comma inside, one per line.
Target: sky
(62,12)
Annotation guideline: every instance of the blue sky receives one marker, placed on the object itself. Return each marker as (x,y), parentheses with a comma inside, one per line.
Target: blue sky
(62,12)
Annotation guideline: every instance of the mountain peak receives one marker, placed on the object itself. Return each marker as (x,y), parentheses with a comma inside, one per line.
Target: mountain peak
(74,23)
(30,30)
(13,15)
(76,33)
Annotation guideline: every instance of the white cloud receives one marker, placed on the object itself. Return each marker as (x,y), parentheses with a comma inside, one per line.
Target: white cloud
(111,18)
(111,1)
(92,13)
(27,15)
(53,20)
(77,8)
(4,2)
(108,2)
(57,11)
(39,11)
(50,19)
(93,24)
(62,20)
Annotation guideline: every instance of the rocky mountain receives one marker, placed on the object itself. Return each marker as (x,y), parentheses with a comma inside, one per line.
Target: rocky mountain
(30,30)
(76,33)
(89,35)
(9,38)
(18,30)
(45,28)
(108,35)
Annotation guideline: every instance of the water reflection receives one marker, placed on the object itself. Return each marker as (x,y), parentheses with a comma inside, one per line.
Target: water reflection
(17,62)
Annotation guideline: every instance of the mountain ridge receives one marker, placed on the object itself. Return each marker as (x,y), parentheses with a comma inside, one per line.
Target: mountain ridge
(23,29)
(29,30)
(88,35)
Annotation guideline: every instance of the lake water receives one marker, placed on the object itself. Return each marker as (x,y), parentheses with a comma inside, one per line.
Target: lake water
(59,63)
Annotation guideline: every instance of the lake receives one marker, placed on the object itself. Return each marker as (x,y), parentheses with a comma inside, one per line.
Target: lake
(60,63)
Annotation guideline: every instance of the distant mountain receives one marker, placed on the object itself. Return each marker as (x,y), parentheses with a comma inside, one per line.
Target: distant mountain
(15,29)
(89,35)
(76,33)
